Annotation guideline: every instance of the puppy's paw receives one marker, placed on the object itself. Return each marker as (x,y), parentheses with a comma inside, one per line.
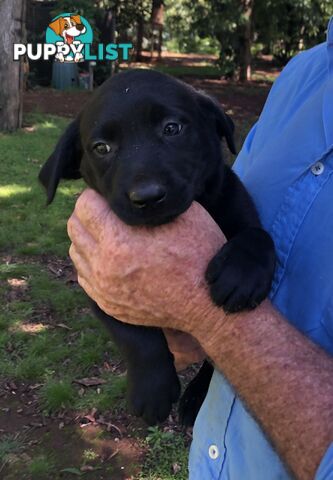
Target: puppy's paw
(152,390)
(241,273)
(194,395)
(190,403)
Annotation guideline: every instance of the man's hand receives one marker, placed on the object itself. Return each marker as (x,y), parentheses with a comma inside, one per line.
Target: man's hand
(185,349)
(143,275)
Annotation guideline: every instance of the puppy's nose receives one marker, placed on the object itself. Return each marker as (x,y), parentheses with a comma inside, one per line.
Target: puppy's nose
(79,26)
(147,194)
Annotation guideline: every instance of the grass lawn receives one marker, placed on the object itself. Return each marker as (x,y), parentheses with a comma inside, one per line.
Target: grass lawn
(62,409)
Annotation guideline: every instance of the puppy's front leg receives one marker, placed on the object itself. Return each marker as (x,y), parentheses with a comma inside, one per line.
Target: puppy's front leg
(241,273)
(153,384)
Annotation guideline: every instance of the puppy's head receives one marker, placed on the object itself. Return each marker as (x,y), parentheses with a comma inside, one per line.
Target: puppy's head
(147,143)
(68,27)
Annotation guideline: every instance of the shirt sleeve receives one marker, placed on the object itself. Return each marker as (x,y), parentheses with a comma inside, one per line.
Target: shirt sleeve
(325,470)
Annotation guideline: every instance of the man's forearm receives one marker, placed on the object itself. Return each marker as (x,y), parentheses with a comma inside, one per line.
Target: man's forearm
(283,378)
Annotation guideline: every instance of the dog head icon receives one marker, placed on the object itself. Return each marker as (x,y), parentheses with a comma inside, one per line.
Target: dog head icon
(68,27)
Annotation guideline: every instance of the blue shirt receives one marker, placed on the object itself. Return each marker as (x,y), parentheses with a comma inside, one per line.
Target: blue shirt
(286,163)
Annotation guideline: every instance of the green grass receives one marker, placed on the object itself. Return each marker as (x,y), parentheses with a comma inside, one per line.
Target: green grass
(201,71)
(41,467)
(198,71)
(31,228)
(9,445)
(41,351)
(109,396)
(32,347)
(167,456)
(57,394)
(29,323)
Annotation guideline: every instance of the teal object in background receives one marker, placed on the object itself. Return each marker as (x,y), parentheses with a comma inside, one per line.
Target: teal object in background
(65,75)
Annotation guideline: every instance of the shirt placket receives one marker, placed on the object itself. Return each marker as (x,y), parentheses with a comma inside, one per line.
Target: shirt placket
(297,203)
(209,449)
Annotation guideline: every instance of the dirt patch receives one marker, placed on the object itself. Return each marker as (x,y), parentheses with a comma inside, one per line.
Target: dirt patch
(55,102)
(242,99)
(100,447)
(70,443)
(69,440)
(237,99)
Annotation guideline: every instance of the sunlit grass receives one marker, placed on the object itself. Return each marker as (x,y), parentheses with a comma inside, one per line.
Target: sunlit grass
(29,226)
(47,124)
(13,189)
(32,324)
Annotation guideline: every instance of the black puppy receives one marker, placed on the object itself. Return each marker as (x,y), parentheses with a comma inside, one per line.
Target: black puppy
(150,145)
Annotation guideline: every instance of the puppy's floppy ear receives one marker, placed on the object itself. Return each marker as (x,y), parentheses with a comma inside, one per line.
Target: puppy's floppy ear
(224,125)
(64,161)
(57,25)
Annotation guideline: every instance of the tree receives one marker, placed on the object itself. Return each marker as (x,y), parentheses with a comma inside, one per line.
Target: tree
(280,27)
(245,40)
(227,21)
(12,28)
(293,26)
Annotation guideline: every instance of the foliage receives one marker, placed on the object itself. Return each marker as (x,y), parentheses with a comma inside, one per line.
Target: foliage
(293,25)
(217,20)
(99,13)
(281,27)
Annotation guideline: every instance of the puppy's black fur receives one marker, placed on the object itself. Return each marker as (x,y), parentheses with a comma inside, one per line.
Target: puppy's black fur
(150,145)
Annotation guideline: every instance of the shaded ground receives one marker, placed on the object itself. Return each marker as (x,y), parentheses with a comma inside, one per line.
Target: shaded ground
(43,433)
(242,100)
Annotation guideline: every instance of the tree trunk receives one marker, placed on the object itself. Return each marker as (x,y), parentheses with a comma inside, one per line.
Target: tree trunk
(245,38)
(160,41)
(157,21)
(12,30)
(139,38)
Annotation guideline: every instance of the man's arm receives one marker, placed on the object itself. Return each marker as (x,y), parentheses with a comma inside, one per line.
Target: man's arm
(283,378)
(156,278)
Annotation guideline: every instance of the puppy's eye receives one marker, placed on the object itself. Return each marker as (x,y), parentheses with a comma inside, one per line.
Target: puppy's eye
(101,148)
(172,128)
(66,25)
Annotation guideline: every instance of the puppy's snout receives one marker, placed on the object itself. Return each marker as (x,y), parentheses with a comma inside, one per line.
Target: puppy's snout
(147,194)
(80,26)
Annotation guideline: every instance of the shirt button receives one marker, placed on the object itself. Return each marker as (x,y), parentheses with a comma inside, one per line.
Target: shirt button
(317,168)
(213,452)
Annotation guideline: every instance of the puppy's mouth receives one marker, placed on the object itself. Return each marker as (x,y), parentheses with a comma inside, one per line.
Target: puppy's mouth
(142,217)
(69,38)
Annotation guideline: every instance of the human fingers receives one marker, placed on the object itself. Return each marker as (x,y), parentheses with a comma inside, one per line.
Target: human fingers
(91,210)
(80,262)
(82,239)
